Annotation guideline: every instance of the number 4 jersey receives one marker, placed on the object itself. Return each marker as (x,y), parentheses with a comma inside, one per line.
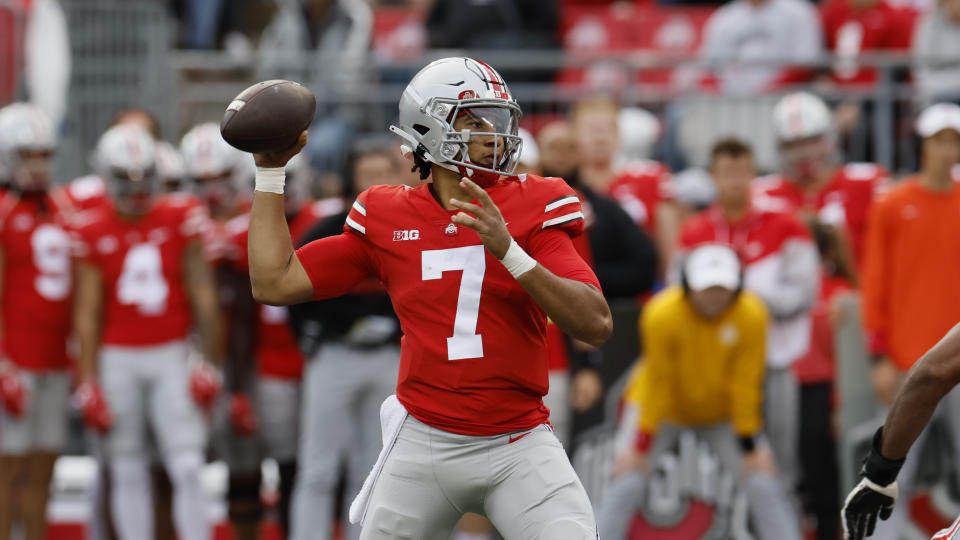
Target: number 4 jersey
(36,280)
(473,354)
(142,264)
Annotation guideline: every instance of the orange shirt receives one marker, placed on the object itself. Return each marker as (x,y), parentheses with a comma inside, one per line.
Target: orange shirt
(911,271)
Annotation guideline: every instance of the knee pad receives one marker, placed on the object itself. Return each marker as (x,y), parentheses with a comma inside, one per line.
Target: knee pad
(568,529)
(243,496)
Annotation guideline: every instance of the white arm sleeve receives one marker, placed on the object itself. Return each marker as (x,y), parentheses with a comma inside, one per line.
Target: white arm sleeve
(796,289)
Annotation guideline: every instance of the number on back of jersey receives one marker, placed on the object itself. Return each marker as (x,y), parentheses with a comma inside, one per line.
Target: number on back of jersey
(51,256)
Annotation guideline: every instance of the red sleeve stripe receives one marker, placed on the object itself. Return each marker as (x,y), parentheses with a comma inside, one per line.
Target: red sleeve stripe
(358,206)
(356,226)
(562,201)
(567,218)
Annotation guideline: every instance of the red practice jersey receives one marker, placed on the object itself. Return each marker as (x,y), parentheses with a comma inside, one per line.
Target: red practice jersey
(639,188)
(37,280)
(851,31)
(145,300)
(276,349)
(844,202)
(473,355)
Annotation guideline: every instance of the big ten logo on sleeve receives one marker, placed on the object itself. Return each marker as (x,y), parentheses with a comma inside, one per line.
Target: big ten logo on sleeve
(142,282)
(413,234)
(51,256)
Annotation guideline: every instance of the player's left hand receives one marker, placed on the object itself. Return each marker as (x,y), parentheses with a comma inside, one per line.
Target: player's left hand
(488,222)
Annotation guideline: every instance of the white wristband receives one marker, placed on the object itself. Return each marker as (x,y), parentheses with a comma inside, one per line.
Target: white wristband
(270,179)
(517,261)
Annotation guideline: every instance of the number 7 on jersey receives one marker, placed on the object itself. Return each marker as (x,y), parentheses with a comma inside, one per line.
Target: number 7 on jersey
(465,342)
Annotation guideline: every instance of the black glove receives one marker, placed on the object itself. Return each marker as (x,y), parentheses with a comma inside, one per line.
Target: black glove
(875,495)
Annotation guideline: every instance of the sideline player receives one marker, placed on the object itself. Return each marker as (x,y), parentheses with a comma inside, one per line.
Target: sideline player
(472,305)
(813,181)
(934,375)
(141,281)
(35,291)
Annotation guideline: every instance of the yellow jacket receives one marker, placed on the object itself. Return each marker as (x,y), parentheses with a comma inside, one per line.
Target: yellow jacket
(698,371)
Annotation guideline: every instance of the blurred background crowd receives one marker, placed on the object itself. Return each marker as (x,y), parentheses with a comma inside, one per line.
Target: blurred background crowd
(820,141)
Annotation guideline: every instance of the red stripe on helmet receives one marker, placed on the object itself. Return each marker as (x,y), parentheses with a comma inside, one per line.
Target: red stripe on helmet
(499,87)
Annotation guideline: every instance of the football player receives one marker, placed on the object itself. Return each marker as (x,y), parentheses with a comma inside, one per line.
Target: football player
(142,283)
(35,291)
(474,262)
(813,180)
(924,394)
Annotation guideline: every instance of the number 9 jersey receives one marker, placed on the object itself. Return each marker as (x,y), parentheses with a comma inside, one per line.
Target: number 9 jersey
(142,264)
(36,280)
(473,354)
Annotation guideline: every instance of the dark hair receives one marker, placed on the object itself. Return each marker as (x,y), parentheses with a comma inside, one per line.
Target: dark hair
(834,251)
(154,129)
(729,147)
(421,165)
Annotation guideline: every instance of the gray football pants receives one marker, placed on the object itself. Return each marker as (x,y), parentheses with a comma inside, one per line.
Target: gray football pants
(343,388)
(781,423)
(771,513)
(522,481)
(948,411)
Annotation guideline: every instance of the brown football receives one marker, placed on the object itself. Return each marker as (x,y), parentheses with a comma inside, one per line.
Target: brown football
(268,116)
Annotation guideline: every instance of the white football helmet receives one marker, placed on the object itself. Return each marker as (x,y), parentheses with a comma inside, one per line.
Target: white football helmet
(170,166)
(125,157)
(217,172)
(299,183)
(804,128)
(25,128)
(446,90)
(801,115)
(639,131)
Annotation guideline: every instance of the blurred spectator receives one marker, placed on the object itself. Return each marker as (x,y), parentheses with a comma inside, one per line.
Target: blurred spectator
(759,45)
(208,22)
(170,167)
(819,486)
(324,44)
(853,27)
(35,55)
(496,24)
(813,182)
(703,350)
(936,52)
(352,348)
(639,132)
(780,266)
(640,187)
(558,150)
(910,275)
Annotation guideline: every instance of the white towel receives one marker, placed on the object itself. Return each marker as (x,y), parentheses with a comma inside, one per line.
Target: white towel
(392,415)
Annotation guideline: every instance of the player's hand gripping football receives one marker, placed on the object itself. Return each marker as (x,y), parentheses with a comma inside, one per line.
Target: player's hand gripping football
(280,157)
(488,222)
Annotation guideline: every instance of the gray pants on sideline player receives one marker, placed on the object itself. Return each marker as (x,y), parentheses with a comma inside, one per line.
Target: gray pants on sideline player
(771,513)
(343,388)
(781,421)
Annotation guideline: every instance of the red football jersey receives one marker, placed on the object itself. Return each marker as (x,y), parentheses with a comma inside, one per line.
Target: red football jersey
(639,188)
(276,347)
(844,202)
(145,301)
(851,31)
(37,281)
(473,353)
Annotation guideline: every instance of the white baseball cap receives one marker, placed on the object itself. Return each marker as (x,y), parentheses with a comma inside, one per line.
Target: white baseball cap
(938,117)
(712,266)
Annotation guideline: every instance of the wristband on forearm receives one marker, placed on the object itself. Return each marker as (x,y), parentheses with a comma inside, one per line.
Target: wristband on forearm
(748,443)
(270,179)
(517,261)
(878,469)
